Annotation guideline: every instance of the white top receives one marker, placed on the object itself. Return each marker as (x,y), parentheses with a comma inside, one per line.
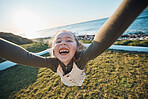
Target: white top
(74,78)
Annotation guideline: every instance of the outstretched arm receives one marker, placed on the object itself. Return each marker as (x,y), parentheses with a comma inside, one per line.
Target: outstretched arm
(121,19)
(17,54)
(119,22)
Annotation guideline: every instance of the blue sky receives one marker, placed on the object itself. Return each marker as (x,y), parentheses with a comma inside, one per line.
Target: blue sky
(18,16)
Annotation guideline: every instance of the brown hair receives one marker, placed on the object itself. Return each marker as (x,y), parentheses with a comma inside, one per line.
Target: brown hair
(80,46)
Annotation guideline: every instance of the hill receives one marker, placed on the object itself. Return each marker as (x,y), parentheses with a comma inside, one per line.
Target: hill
(111,75)
(15,38)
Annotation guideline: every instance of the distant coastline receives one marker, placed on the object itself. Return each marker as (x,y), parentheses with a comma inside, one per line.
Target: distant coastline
(125,40)
(123,37)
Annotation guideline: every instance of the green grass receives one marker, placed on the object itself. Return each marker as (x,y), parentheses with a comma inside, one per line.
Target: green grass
(86,41)
(15,38)
(110,75)
(36,46)
(143,43)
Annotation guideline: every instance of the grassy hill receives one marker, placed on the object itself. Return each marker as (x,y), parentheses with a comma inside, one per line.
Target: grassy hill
(143,43)
(15,38)
(110,75)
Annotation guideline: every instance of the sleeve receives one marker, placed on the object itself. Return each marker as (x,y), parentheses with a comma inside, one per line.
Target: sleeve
(17,54)
(90,53)
(94,49)
(121,19)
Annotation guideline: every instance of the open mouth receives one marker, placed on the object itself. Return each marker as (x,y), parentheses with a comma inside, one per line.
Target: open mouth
(63,51)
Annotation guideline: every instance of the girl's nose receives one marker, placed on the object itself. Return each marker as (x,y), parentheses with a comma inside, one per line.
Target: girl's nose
(63,43)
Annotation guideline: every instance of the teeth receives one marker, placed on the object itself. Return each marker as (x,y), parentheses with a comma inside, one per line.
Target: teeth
(66,51)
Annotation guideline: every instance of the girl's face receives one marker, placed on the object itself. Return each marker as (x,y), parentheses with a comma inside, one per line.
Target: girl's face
(65,47)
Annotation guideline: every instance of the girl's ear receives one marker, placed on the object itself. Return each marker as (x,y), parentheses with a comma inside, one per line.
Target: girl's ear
(53,52)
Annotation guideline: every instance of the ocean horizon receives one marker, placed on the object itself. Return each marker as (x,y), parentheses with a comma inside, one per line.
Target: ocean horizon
(139,26)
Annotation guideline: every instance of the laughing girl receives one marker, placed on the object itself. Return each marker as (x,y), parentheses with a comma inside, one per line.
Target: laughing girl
(69,56)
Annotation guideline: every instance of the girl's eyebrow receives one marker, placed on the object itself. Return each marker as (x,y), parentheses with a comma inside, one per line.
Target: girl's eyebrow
(69,37)
(58,38)
(65,37)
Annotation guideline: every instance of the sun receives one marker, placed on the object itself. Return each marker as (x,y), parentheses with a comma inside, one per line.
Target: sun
(27,22)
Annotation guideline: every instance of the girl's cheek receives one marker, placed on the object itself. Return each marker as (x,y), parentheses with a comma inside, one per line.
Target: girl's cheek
(55,49)
(74,46)
(55,46)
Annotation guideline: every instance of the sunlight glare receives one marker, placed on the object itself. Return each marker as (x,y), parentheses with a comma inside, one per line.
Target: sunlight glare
(27,22)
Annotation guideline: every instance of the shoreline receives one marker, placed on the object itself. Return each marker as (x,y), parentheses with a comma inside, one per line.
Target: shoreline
(122,37)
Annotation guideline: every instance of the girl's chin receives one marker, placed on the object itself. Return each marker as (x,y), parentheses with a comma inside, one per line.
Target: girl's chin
(64,60)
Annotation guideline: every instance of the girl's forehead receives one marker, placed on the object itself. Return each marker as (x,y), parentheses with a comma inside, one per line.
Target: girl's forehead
(65,35)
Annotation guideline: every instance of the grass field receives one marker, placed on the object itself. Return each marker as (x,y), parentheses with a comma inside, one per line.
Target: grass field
(111,75)
(143,43)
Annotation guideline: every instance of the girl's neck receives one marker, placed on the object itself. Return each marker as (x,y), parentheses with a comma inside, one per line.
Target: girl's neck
(65,63)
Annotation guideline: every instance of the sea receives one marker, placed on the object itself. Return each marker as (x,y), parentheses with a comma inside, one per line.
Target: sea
(139,26)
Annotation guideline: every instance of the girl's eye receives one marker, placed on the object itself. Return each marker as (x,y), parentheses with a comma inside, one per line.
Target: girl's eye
(58,41)
(69,41)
